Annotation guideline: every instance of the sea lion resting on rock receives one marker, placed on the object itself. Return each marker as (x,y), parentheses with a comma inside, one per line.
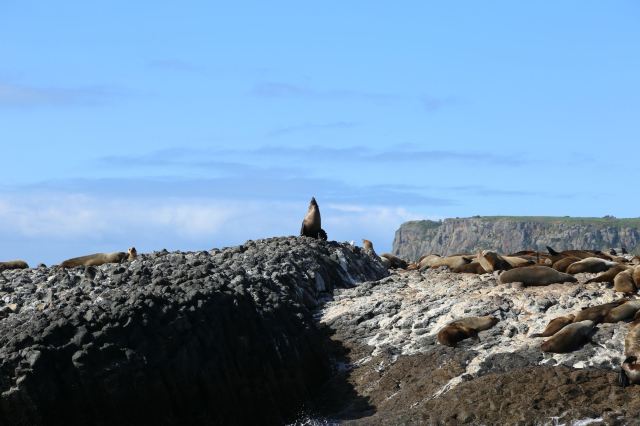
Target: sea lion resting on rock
(608,276)
(630,368)
(450,262)
(623,282)
(464,328)
(425,261)
(590,264)
(623,312)
(492,261)
(535,275)
(562,264)
(13,264)
(470,268)
(636,275)
(555,325)
(597,313)
(98,259)
(569,338)
(582,254)
(393,262)
(311,224)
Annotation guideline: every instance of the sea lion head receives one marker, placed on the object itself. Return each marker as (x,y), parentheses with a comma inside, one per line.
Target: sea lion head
(133,253)
(629,371)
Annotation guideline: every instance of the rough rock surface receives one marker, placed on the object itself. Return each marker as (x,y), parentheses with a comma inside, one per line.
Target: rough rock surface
(511,234)
(220,337)
(399,374)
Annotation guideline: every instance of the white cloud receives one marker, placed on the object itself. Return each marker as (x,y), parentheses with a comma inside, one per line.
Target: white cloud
(53,226)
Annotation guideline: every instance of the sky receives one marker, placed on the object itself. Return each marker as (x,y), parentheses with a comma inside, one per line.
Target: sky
(197,124)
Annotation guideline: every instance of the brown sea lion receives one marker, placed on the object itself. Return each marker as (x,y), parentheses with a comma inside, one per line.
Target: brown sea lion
(608,276)
(590,264)
(98,259)
(311,224)
(582,254)
(451,262)
(636,276)
(555,325)
(13,264)
(630,368)
(394,261)
(597,313)
(367,246)
(569,338)
(562,264)
(535,275)
(492,261)
(426,261)
(623,312)
(464,328)
(470,268)
(518,262)
(623,282)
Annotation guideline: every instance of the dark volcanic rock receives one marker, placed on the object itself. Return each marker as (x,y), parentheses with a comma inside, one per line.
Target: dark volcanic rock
(220,337)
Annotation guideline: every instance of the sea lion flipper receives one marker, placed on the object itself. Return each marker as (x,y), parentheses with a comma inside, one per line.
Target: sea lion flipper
(322,235)
(552,252)
(623,380)
(536,335)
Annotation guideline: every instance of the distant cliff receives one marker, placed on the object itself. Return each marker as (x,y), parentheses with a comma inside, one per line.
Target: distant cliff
(509,234)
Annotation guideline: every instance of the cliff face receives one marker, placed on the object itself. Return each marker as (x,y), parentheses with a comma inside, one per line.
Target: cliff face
(511,234)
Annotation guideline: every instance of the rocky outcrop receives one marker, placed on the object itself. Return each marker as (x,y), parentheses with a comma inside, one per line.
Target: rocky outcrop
(402,375)
(512,234)
(220,337)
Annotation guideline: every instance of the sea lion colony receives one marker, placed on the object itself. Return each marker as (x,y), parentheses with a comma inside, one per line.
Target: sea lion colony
(531,268)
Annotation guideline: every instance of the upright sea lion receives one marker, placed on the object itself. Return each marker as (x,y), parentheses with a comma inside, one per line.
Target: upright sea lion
(555,325)
(368,247)
(590,264)
(608,276)
(535,275)
(98,259)
(569,338)
(394,261)
(630,368)
(624,250)
(597,313)
(311,224)
(562,264)
(464,328)
(13,264)
(623,282)
(613,252)
(623,312)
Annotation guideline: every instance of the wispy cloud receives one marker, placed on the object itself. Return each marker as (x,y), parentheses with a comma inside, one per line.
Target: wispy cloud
(309,127)
(236,160)
(172,64)
(24,96)
(279,90)
(246,188)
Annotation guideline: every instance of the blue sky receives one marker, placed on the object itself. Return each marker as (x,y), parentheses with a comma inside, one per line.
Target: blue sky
(199,124)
